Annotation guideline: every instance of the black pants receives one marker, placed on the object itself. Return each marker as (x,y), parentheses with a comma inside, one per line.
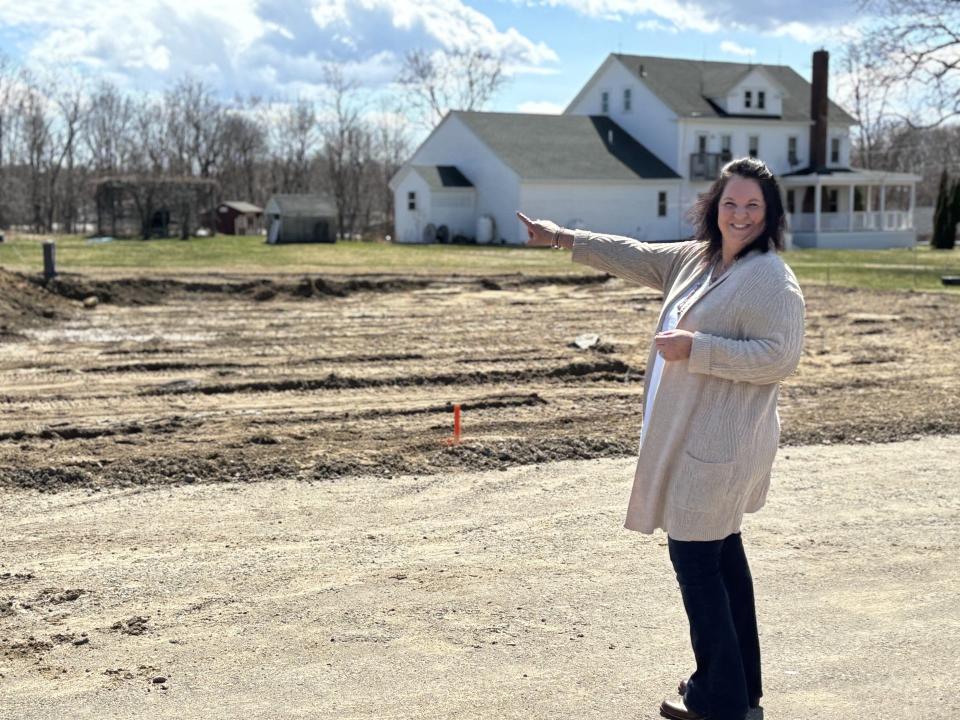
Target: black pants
(717,592)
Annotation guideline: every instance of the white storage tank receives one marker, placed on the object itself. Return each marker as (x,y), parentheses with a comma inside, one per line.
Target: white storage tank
(486,230)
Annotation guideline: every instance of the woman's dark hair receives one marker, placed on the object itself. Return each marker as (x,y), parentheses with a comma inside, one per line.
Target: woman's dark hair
(703,215)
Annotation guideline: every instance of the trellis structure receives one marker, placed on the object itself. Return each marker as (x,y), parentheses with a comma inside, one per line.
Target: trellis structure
(151,206)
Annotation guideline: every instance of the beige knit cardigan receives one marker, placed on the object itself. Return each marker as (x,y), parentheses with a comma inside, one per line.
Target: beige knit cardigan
(707,454)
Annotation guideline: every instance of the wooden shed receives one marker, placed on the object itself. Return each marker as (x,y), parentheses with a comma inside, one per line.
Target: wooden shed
(238,218)
(301,219)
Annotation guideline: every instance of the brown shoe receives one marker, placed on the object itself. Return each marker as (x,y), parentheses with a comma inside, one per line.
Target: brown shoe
(677,710)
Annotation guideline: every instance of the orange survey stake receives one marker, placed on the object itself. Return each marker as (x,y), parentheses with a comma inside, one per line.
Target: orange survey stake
(456,423)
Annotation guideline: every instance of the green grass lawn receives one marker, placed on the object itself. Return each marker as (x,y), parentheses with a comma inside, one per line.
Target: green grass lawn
(881,269)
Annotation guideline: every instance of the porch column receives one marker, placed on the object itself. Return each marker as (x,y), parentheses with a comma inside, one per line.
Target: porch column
(850,196)
(816,207)
(869,222)
(913,205)
(883,207)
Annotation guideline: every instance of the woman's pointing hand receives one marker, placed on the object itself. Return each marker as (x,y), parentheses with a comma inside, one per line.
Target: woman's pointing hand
(540,233)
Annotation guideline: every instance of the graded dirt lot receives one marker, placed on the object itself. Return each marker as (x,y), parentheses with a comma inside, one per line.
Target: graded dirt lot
(373,572)
(215,379)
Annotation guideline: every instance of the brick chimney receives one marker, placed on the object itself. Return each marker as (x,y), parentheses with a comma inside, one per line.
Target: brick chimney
(818,110)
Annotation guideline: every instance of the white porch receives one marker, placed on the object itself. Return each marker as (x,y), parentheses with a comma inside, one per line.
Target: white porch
(859,209)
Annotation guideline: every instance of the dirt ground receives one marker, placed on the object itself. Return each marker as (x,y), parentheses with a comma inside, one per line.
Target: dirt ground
(241,485)
(214,379)
(510,593)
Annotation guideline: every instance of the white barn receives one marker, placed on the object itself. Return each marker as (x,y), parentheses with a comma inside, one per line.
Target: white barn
(637,144)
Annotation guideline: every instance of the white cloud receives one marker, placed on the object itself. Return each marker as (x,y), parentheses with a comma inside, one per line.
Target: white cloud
(327,12)
(266,47)
(728,46)
(810,22)
(657,26)
(799,31)
(540,107)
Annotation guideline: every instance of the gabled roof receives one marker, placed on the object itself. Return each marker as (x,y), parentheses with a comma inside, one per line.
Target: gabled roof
(565,147)
(304,205)
(242,207)
(685,85)
(439,177)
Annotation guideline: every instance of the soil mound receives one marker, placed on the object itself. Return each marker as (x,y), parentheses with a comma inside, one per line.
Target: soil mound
(23,303)
(152,290)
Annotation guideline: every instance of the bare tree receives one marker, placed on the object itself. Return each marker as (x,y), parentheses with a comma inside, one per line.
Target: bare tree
(194,123)
(149,150)
(108,129)
(347,149)
(916,43)
(9,90)
(866,95)
(244,149)
(294,141)
(70,100)
(36,129)
(391,149)
(450,80)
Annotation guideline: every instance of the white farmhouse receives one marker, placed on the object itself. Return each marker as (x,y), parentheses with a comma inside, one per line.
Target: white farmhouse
(637,144)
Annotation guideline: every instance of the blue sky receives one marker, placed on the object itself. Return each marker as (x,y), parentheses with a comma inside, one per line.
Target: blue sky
(278,48)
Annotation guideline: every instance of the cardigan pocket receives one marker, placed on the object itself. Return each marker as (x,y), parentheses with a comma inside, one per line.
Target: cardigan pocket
(700,486)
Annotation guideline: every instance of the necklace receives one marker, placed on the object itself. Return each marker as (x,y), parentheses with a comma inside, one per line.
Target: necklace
(689,296)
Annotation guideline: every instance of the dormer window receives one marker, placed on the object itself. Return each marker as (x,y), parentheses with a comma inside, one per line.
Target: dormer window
(835,150)
(604,102)
(626,100)
(747,98)
(761,99)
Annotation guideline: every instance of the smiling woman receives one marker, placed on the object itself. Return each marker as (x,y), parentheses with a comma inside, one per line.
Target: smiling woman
(742,211)
(731,328)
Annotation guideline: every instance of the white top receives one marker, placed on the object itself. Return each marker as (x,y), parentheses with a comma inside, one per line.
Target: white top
(670,322)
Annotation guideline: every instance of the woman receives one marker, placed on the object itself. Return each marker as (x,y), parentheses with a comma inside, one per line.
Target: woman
(731,328)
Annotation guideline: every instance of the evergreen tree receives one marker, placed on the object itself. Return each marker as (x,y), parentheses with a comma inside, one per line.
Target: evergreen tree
(954,214)
(943,216)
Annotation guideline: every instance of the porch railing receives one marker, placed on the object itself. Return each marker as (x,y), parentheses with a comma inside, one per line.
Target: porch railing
(887,221)
(706,166)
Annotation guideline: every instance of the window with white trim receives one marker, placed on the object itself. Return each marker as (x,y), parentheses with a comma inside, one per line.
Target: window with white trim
(834,150)
(754,145)
(792,150)
(411,200)
(604,102)
(627,99)
(725,147)
(761,99)
(747,98)
(661,204)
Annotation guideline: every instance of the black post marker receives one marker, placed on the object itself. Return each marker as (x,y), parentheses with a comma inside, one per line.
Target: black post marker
(49,259)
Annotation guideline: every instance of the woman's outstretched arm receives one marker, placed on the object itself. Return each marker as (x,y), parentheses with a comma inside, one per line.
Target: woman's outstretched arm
(645,263)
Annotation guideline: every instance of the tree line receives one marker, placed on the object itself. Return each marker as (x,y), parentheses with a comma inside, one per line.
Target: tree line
(60,136)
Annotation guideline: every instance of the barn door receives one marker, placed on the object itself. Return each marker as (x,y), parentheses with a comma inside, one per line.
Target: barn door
(321,232)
